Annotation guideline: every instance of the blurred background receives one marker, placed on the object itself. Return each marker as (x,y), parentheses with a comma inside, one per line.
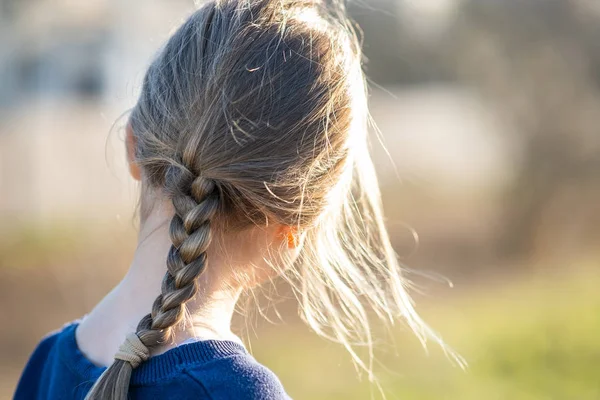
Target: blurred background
(490,113)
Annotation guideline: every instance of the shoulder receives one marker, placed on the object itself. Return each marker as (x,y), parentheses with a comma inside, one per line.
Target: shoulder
(238,377)
(45,347)
(32,376)
(46,344)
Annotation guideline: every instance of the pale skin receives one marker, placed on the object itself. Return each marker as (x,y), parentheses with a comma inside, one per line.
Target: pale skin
(235,262)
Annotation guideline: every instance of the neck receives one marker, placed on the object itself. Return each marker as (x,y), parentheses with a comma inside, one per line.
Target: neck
(210,312)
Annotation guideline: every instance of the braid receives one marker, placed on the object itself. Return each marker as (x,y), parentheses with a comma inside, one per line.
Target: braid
(196,202)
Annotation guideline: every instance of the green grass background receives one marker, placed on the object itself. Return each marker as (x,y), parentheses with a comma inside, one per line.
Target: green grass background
(532,339)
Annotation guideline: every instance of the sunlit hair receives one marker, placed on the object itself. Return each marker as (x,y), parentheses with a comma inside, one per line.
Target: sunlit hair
(255,113)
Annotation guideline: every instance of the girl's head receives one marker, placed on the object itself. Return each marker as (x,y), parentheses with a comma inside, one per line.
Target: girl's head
(253,116)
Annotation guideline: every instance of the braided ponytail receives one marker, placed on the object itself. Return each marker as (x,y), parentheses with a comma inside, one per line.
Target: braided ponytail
(196,202)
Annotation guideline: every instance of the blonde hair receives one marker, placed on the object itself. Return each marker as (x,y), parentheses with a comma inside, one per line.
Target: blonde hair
(254,112)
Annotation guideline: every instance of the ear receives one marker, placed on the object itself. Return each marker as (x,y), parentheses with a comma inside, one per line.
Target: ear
(291,235)
(130,144)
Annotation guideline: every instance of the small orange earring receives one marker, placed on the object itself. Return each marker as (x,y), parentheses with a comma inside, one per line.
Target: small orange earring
(292,240)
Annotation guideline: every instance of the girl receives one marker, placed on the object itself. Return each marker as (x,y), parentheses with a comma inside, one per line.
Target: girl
(250,142)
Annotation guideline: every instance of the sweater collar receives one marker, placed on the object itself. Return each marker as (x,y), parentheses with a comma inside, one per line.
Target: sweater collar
(156,368)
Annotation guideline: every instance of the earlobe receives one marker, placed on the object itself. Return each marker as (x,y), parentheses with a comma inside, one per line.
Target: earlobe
(292,239)
(130,144)
(290,235)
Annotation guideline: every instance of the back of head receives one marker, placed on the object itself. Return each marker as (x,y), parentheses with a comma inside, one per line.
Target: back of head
(253,113)
(253,95)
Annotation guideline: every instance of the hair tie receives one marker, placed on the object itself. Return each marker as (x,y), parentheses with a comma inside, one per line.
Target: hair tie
(133,351)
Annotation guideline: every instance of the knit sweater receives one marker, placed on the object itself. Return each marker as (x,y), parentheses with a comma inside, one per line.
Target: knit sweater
(208,369)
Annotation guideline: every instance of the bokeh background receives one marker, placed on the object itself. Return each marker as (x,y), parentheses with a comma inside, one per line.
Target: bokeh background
(490,112)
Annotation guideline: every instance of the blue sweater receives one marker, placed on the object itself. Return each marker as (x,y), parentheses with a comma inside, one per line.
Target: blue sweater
(210,369)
